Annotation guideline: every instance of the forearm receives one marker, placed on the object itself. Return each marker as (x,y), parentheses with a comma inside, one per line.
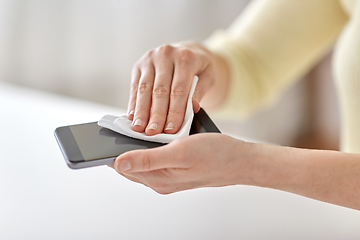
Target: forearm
(328,176)
(267,51)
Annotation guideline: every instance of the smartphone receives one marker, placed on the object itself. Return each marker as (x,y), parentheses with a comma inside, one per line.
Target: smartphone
(88,145)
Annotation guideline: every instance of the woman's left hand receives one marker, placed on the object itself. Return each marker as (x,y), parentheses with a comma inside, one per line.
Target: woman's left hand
(200,160)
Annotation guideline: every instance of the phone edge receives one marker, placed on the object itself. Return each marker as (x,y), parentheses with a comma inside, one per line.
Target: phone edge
(82,164)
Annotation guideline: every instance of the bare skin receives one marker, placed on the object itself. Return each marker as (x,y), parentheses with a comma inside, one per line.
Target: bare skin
(183,164)
(159,93)
(161,82)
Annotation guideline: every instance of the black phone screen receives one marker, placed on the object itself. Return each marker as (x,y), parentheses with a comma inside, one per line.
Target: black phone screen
(95,142)
(88,144)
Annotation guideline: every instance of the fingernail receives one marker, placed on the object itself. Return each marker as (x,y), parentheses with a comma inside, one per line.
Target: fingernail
(131,112)
(152,126)
(169,126)
(125,166)
(137,122)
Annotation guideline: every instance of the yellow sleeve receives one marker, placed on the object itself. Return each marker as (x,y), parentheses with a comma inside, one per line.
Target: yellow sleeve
(271,45)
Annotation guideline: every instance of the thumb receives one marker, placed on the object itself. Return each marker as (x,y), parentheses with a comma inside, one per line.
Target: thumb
(205,82)
(196,105)
(144,160)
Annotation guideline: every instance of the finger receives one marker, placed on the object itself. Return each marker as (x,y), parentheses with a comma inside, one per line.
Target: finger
(157,180)
(205,82)
(164,181)
(143,99)
(160,96)
(180,89)
(149,159)
(135,78)
(131,178)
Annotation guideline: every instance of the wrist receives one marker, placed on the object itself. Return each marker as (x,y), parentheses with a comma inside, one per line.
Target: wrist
(247,158)
(270,166)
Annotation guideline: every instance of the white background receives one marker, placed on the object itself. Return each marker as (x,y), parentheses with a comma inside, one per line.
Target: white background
(41,198)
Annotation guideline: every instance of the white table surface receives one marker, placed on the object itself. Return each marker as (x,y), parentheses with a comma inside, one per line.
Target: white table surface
(41,198)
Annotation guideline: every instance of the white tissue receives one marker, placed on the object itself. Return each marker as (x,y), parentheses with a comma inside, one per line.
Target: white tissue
(122,124)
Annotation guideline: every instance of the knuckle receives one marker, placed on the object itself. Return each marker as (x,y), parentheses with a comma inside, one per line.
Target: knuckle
(136,66)
(148,55)
(144,87)
(146,163)
(179,91)
(165,49)
(134,88)
(145,59)
(186,55)
(161,91)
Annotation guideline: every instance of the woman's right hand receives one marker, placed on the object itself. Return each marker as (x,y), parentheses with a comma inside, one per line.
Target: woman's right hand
(161,82)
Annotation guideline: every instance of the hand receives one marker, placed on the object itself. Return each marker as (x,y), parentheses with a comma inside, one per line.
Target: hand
(160,86)
(200,160)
